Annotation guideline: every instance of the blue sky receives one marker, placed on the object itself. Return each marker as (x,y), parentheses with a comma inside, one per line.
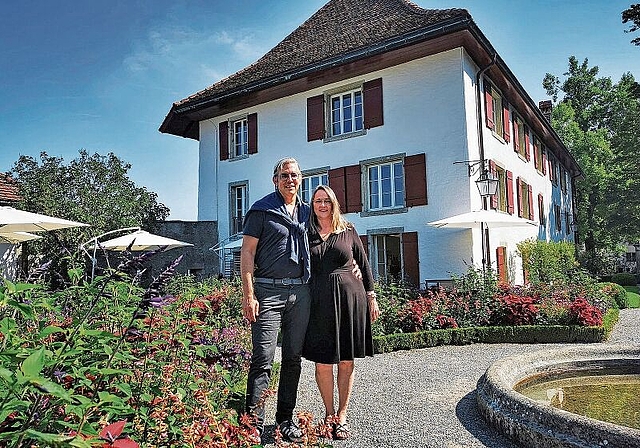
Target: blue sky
(101,75)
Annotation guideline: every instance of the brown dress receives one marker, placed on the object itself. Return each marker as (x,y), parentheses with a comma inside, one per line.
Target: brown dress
(340,325)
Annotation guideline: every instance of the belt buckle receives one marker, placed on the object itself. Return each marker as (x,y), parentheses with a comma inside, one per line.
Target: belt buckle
(286,282)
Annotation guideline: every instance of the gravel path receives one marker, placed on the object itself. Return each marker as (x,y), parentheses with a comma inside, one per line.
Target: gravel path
(426,398)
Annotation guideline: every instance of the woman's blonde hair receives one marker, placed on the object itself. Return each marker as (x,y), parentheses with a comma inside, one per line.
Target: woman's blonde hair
(338,223)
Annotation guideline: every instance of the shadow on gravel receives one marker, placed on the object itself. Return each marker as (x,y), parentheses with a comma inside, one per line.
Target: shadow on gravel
(467,413)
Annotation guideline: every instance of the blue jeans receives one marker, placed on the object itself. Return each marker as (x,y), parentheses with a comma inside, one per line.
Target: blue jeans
(280,306)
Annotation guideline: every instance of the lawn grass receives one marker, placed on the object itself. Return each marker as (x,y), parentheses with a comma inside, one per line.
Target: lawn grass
(633,296)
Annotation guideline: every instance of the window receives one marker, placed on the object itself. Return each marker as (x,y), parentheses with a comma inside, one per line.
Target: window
(537,154)
(493,104)
(563,179)
(346,112)
(525,199)
(239,207)
(553,170)
(558,217)
(238,137)
(519,136)
(394,254)
(309,184)
(387,257)
(385,185)
(503,199)
(542,216)
(502,189)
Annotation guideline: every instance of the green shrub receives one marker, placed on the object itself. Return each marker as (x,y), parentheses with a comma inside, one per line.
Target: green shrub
(546,262)
(616,293)
(392,298)
(624,279)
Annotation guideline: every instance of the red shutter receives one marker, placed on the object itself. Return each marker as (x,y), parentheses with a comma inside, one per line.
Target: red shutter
(315,118)
(252,124)
(509,176)
(224,140)
(519,195)
(410,257)
(415,180)
(536,148)
(494,197)
(488,106)
(530,202)
(516,136)
(338,184)
(505,122)
(353,189)
(372,102)
(527,149)
(544,161)
(501,258)
(365,244)
(541,219)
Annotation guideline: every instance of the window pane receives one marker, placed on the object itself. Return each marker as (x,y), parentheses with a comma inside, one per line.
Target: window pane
(374,197)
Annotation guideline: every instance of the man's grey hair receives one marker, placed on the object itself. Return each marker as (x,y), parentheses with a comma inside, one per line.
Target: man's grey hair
(282,162)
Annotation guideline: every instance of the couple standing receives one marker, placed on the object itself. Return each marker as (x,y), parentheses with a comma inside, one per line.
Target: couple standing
(296,265)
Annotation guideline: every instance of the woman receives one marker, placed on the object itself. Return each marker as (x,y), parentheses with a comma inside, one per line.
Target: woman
(342,306)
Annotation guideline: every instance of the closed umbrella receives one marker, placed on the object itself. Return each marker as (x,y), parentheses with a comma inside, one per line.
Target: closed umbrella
(14,220)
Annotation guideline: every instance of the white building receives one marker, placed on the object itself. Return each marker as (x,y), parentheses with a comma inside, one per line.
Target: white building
(397,108)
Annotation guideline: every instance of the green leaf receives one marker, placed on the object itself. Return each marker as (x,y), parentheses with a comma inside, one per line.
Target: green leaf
(19,287)
(50,330)
(32,366)
(6,375)
(48,439)
(25,310)
(50,387)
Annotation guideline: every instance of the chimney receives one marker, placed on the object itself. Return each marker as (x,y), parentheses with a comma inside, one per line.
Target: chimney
(545,107)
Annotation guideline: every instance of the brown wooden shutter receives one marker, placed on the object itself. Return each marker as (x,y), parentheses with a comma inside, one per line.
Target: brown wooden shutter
(488,106)
(252,125)
(224,140)
(510,207)
(337,182)
(315,118)
(501,259)
(410,257)
(535,156)
(505,122)
(519,195)
(541,219)
(527,149)
(544,160)
(415,180)
(365,244)
(372,102)
(354,189)
(516,136)
(530,188)
(494,197)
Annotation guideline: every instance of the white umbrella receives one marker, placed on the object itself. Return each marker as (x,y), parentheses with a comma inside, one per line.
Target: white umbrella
(141,240)
(17,237)
(14,220)
(490,218)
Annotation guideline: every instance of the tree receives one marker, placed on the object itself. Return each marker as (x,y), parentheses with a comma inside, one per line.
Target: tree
(599,123)
(632,15)
(92,189)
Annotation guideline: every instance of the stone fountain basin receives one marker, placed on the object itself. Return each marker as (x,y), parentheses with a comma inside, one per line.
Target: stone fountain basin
(538,425)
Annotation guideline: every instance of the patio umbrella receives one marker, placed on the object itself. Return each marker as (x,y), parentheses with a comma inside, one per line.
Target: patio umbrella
(490,218)
(17,237)
(141,240)
(14,220)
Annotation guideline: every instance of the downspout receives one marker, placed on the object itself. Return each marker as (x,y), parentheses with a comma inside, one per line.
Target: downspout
(483,232)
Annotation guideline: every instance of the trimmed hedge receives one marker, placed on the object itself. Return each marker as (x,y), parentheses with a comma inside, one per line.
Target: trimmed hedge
(524,334)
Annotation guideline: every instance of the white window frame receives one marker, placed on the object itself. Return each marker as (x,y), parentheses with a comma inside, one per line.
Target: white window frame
(235,221)
(503,203)
(239,139)
(348,117)
(381,268)
(380,187)
(310,180)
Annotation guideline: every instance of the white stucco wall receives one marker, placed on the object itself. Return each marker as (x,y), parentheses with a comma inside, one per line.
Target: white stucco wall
(430,108)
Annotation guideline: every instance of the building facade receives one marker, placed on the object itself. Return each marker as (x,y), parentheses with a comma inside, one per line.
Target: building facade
(399,117)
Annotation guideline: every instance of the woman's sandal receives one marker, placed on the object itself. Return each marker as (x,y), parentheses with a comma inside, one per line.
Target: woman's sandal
(342,431)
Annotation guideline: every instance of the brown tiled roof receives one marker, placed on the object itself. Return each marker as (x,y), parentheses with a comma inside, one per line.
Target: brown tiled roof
(339,27)
(8,190)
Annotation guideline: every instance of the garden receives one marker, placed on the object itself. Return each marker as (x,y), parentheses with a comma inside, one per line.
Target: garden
(109,363)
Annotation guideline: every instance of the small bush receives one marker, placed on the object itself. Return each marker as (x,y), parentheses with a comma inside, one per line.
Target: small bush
(624,279)
(616,293)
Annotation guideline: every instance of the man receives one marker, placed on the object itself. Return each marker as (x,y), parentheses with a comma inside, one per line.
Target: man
(275,269)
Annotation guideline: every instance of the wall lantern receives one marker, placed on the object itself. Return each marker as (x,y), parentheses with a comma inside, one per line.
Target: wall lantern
(487,184)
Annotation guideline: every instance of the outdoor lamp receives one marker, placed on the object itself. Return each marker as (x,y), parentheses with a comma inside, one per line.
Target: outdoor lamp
(487,184)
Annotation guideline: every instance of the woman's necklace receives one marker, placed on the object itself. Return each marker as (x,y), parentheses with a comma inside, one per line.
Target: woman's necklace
(324,234)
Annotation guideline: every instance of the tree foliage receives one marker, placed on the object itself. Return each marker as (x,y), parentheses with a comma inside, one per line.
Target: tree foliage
(632,15)
(93,189)
(599,122)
